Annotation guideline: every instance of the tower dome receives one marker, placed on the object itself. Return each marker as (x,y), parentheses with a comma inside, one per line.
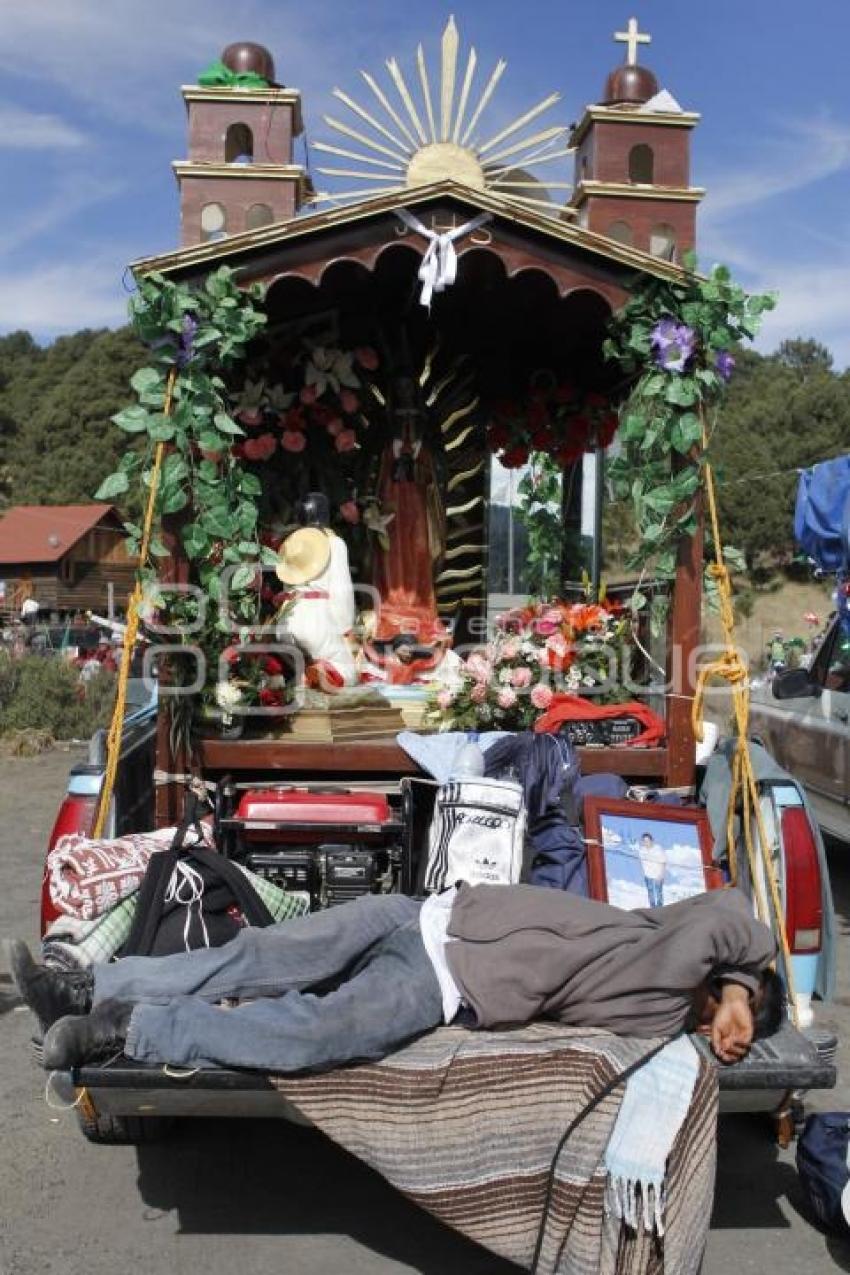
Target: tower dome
(630,85)
(245,56)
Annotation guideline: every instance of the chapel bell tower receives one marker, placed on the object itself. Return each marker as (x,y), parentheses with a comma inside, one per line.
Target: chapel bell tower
(632,176)
(240,173)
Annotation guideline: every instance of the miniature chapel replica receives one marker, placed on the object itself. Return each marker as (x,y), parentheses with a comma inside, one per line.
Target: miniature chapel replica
(452,277)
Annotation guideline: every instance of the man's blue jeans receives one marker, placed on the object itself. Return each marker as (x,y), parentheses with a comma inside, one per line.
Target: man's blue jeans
(367,957)
(655,890)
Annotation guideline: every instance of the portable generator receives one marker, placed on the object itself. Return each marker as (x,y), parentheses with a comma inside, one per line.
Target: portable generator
(330,845)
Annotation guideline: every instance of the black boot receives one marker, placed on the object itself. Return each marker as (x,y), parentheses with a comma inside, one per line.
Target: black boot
(77,1040)
(50,994)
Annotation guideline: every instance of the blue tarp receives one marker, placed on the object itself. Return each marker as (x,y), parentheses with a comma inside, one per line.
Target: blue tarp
(822,514)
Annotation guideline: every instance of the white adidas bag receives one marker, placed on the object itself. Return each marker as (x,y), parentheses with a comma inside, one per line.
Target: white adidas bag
(477,834)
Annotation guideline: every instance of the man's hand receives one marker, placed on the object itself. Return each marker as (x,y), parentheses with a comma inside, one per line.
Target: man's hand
(732,1027)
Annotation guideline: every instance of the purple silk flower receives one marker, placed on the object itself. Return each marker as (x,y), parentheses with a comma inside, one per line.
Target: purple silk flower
(672,344)
(724,364)
(187,339)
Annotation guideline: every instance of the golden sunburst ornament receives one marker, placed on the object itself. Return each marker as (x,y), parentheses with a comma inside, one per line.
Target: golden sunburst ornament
(443,136)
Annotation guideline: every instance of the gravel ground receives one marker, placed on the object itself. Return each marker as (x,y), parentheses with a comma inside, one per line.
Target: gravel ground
(273,1199)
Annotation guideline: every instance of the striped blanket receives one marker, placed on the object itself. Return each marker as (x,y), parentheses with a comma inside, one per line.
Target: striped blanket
(466,1124)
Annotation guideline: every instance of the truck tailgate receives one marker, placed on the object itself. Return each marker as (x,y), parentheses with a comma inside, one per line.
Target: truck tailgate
(785,1061)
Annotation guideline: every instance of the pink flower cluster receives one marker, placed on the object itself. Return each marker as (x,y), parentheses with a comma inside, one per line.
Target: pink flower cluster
(504,681)
(542,696)
(536,652)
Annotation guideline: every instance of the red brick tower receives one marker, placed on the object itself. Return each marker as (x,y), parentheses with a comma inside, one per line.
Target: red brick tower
(632,177)
(240,173)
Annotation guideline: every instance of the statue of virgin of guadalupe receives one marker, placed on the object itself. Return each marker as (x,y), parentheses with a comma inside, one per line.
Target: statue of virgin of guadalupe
(409,639)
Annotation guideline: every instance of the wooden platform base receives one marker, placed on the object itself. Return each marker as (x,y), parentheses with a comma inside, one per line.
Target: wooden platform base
(280,760)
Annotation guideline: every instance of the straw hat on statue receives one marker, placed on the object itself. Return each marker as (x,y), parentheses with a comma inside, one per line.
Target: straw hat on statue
(303,556)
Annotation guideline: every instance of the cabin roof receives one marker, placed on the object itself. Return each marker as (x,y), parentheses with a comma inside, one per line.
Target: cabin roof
(45,533)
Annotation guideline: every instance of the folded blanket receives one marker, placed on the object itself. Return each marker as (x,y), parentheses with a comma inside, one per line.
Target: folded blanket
(87,877)
(436,753)
(65,947)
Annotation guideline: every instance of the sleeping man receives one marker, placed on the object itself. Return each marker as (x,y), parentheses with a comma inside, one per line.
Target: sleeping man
(357,981)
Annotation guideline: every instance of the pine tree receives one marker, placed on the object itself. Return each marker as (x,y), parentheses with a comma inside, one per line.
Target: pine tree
(61,442)
(784,412)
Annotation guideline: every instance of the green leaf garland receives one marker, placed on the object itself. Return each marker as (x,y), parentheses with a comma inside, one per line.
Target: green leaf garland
(674,340)
(199,332)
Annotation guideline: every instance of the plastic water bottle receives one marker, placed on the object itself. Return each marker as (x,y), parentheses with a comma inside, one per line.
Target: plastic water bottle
(468,761)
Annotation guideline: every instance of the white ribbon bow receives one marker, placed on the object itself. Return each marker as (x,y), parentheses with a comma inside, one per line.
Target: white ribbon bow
(438,270)
(186,886)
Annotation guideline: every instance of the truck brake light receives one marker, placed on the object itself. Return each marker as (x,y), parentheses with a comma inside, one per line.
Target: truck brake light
(76,814)
(803,897)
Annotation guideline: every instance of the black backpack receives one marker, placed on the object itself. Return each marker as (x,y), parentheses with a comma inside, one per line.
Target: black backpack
(192,896)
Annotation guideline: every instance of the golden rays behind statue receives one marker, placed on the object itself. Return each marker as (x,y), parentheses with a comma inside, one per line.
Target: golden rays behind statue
(415,140)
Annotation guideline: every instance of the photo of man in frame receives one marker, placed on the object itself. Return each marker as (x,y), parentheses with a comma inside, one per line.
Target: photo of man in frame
(653,860)
(650,862)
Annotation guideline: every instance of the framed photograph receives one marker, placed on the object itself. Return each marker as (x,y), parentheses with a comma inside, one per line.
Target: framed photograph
(644,855)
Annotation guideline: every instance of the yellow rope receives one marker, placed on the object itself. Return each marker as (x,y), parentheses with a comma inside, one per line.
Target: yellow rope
(730,667)
(116,727)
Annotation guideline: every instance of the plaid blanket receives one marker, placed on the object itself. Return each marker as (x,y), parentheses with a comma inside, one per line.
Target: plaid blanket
(466,1125)
(86,878)
(72,944)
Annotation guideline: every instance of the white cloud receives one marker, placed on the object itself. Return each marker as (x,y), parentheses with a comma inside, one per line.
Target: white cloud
(64,296)
(69,197)
(812,302)
(114,55)
(808,268)
(811,280)
(31,130)
(811,290)
(802,153)
(128,58)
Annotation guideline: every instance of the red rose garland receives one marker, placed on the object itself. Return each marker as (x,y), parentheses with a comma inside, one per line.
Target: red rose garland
(556,421)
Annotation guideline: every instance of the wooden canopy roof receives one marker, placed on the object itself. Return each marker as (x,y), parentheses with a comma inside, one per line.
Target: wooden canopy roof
(523,239)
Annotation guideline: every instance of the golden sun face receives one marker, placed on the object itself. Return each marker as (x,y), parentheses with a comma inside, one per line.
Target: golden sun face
(416,140)
(440,160)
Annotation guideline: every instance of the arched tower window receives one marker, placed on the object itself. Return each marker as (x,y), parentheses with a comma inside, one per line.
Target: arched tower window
(213,222)
(258,215)
(622,232)
(641,165)
(238,145)
(662,241)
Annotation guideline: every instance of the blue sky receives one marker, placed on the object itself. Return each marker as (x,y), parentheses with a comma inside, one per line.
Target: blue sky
(90,118)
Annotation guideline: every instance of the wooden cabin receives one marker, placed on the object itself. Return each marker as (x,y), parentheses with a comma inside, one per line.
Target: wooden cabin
(67,558)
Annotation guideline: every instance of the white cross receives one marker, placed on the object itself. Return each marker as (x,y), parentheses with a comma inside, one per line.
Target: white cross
(633,37)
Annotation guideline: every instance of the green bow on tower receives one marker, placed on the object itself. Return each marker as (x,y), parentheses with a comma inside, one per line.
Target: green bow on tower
(217,75)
